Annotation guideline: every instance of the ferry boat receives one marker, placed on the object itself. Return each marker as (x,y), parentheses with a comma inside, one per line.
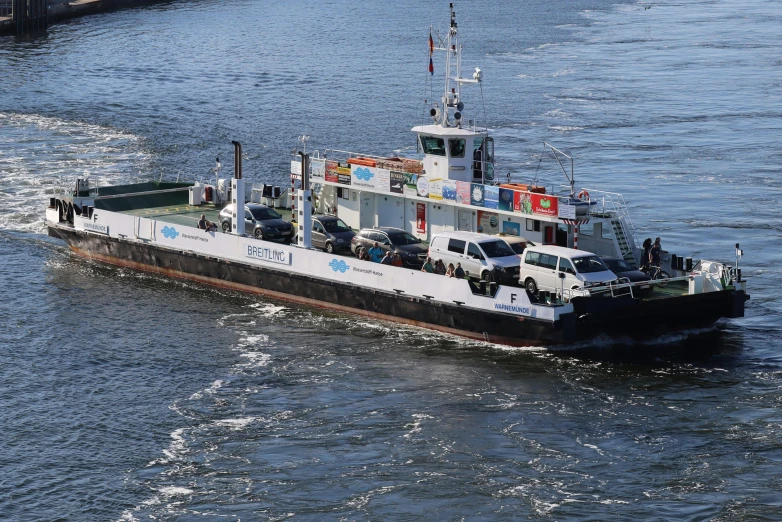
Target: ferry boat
(451,186)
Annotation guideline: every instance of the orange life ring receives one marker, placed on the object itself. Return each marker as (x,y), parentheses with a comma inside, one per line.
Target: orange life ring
(583,195)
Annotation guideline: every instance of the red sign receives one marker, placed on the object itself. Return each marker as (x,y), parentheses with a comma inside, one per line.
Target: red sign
(331,171)
(420,217)
(544,204)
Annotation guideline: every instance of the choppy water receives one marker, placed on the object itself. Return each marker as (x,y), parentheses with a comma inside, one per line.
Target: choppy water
(130,397)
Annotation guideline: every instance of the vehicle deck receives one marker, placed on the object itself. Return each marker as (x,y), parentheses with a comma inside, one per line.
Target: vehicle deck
(188,215)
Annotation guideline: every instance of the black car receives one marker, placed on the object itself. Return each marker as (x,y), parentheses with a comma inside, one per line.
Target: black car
(261,221)
(331,234)
(624,269)
(412,250)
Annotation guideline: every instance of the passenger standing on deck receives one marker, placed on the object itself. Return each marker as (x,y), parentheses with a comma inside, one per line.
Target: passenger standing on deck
(428,266)
(450,271)
(202,222)
(645,256)
(387,259)
(654,253)
(376,253)
(459,272)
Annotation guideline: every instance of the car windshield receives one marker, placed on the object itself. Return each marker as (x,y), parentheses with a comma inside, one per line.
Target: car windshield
(617,265)
(497,249)
(403,238)
(589,265)
(518,247)
(335,225)
(264,213)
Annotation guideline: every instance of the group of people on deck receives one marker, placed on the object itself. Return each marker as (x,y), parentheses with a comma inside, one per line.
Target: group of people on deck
(651,255)
(376,254)
(438,267)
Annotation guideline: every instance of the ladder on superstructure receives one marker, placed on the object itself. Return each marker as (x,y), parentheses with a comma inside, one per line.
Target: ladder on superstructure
(611,205)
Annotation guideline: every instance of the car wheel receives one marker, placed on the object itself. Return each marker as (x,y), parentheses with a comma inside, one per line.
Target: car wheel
(329,248)
(486,276)
(258,233)
(226,227)
(531,285)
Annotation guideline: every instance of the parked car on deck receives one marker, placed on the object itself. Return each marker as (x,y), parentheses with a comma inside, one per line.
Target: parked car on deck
(481,255)
(412,250)
(624,269)
(330,233)
(261,221)
(516,243)
(541,266)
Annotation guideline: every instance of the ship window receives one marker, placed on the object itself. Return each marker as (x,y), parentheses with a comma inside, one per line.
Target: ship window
(456,245)
(456,148)
(433,145)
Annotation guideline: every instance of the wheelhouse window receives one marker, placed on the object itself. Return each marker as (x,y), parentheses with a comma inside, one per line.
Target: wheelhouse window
(433,145)
(456,148)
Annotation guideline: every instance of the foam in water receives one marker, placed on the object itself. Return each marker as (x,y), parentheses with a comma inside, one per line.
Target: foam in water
(42,155)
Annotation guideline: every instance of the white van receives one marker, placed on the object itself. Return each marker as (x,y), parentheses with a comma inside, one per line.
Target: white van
(482,255)
(541,266)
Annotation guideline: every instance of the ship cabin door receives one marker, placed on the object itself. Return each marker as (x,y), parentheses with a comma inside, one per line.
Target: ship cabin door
(367,210)
(465,220)
(549,235)
(483,160)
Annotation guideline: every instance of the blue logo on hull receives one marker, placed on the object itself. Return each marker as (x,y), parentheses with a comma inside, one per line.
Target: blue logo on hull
(339,266)
(170,232)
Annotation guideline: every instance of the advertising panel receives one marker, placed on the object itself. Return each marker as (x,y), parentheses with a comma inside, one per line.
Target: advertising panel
(491,197)
(510,228)
(435,188)
(397,182)
(343,175)
(317,170)
(331,171)
(449,189)
(411,184)
(476,194)
(544,205)
(420,217)
(383,180)
(463,192)
(506,199)
(488,222)
(363,177)
(422,187)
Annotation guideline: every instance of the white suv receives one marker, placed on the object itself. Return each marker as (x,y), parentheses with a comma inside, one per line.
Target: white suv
(482,255)
(541,266)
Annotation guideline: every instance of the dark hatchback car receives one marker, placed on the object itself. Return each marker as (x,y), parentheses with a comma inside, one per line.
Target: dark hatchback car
(331,234)
(261,221)
(624,269)
(412,250)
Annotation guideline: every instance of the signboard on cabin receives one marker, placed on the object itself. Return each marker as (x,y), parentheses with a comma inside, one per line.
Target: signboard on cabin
(506,199)
(491,197)
(343,175)
(476,194)
(363,176)
(331,171)
(411,184)
(383,180)
(543,204)
(317,170)
(397,182)
(435,188)
(463,192)
(567,211)
(449,189)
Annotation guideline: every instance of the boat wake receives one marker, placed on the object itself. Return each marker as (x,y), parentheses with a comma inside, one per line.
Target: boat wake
(42,155)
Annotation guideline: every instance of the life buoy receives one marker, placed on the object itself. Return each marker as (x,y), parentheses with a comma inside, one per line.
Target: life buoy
(583,195)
